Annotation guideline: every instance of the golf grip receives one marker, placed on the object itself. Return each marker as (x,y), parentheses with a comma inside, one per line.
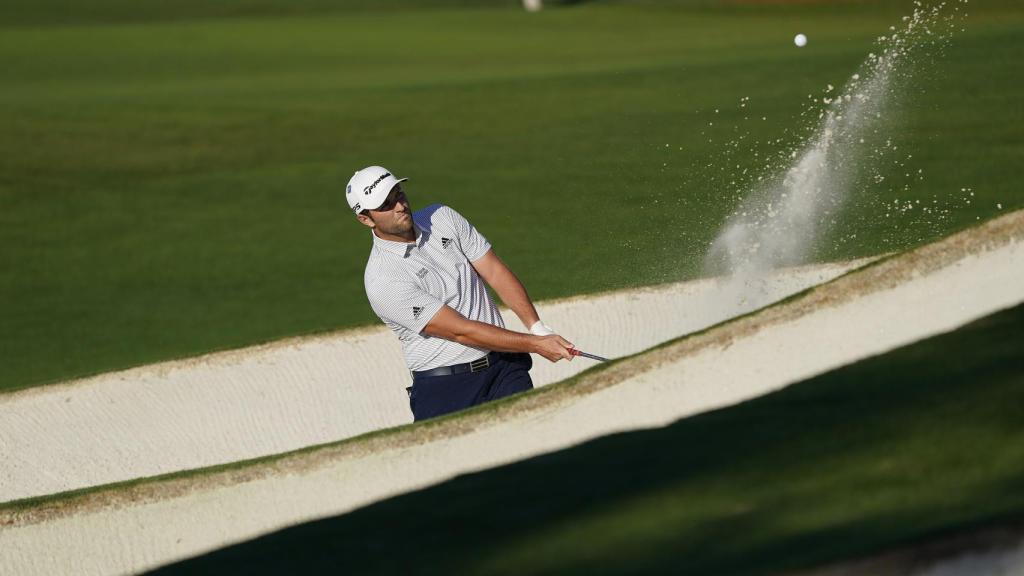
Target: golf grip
(576,352)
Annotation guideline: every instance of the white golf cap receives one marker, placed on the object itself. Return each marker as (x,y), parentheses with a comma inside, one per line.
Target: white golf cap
(369,188)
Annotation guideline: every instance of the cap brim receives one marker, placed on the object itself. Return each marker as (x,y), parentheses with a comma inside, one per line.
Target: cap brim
(397,182)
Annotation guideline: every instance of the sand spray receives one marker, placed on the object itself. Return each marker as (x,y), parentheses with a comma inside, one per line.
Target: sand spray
(792,204)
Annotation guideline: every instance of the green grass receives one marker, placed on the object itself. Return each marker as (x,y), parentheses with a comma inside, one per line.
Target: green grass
(170,181)
(68,12)
(919,443)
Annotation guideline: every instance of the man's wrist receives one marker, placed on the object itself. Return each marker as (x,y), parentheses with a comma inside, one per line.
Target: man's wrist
(532,344)
(541,329)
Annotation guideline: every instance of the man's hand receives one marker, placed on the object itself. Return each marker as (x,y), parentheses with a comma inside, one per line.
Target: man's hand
(553,347)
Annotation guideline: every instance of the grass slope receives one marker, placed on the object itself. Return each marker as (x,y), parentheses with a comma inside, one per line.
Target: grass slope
(173,186)
(918,443)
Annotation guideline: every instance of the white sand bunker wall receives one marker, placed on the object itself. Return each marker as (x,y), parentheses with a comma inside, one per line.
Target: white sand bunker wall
(300,392)
(893,303)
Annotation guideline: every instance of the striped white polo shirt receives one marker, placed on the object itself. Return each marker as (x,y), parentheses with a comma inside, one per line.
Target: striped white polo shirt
(407,284)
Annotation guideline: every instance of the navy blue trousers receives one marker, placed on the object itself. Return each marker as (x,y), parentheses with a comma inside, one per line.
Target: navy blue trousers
(437,395)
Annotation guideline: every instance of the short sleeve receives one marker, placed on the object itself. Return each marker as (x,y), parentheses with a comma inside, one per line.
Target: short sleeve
(472,242)
(403,303)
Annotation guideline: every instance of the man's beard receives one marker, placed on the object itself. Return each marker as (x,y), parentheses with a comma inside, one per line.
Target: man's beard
(398,227)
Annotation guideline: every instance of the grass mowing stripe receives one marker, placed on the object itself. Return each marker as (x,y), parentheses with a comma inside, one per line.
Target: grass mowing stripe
(58,13)
(914,444)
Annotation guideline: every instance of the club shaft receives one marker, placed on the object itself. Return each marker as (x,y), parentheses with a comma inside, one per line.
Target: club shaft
(591,356)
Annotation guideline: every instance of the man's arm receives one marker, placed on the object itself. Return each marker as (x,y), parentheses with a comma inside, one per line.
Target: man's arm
(451,325)
(509,288)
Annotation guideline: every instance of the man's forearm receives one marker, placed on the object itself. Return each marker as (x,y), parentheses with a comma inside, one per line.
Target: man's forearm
(519,301)
(513,294)
(484,335)
(451,325)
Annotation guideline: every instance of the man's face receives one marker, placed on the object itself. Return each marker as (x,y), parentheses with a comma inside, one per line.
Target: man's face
(392,218)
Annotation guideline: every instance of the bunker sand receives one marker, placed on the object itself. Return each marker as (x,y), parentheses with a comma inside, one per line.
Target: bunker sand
(275,398)
(884,305)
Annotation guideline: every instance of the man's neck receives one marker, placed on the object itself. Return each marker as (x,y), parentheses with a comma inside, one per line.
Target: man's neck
(408,238)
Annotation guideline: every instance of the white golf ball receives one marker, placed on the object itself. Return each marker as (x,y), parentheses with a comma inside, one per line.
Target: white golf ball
(800,40)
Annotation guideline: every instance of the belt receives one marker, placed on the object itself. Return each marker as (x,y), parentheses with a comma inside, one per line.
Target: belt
(474,366)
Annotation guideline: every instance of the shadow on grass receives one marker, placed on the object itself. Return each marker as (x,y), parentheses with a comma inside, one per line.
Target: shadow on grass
(914,444)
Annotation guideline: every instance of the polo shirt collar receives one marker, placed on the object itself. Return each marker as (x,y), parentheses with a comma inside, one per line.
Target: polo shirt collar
(399,248)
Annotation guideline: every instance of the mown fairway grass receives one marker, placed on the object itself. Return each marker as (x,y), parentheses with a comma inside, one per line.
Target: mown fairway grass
(923,442)
(171,183)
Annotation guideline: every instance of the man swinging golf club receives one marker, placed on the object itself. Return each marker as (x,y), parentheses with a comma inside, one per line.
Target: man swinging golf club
(423,280)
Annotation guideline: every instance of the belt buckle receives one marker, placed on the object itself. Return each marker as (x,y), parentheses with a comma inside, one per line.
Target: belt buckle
(480,364)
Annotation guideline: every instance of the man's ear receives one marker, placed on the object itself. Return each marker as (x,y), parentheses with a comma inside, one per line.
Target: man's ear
(366,220)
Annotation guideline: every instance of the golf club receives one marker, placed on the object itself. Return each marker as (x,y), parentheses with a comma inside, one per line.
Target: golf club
(576,352)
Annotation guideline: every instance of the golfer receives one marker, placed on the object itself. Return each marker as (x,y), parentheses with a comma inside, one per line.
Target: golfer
(423,280)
